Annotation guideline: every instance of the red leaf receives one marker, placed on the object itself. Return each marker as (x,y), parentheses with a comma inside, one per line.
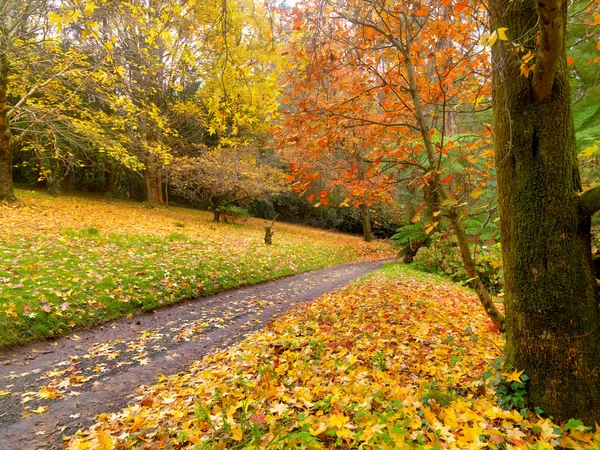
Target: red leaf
(258,419)
(446,179)
(147,401)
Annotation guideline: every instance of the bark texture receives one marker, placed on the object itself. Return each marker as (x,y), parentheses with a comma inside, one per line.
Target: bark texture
(109,181)
(152,184)
(552,309)
(366,222)
(6,160)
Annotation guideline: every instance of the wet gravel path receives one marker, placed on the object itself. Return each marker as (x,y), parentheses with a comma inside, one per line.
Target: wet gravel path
(52,388)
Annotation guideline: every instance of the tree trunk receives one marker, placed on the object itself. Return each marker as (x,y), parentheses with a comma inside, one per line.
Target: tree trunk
(439,194)
(552,310)
(6,160)
(469,265)
(366,222)
(159,182)
(109,181)
(152,184)
(217,215)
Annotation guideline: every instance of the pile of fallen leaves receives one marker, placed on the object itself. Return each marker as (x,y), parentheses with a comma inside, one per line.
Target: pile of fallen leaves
(392,362)
(72,261)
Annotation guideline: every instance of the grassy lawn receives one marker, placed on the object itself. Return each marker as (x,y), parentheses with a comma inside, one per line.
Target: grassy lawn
(72,261)
(399,360)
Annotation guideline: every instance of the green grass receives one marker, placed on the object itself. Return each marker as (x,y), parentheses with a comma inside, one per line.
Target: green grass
(66,278)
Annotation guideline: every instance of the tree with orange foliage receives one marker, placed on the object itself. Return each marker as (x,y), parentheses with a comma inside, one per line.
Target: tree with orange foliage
(401,73)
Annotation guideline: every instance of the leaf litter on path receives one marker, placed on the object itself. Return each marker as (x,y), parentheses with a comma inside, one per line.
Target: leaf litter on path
(392,362)
(99,369)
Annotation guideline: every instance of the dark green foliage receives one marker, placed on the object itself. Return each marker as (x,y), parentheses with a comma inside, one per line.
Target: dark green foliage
(443,257)
(511,394)
(408,234)
(291,208)
(410,238)
(438,395)
(235,213)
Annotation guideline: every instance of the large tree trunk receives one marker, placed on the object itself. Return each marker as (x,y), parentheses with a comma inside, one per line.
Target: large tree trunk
(552,310)
(152,184)
(366,222)
(6,160)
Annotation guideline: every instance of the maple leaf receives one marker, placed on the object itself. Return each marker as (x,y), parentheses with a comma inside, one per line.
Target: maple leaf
(40,410)
(513,376)
(236,432)
(279,408)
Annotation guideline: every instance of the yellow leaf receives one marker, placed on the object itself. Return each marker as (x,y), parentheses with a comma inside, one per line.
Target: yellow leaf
(352,359)
(89,9)
(476,193)
(514,376)
(485,37)
(322,426)
(526,70)
(40,410)
(589,151)
(55,19)
(528,57)
(338,420)
(236,432)
(502,34)
(493,38)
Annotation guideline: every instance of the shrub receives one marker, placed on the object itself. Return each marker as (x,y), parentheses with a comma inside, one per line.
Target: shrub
(443,257)
(234,213)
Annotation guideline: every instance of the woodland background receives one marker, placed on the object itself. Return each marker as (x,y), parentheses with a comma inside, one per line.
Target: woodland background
(413,120)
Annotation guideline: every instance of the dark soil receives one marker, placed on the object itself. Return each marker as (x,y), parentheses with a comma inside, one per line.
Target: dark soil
(102,369)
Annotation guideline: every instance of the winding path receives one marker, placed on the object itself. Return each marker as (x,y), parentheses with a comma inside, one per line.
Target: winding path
(71,380)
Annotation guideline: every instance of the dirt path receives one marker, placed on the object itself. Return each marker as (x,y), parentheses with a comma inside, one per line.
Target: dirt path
(71,380)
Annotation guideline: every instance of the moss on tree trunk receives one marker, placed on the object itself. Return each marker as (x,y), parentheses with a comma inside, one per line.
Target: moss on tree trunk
(552,312)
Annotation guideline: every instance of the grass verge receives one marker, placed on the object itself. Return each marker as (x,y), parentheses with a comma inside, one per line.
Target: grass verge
(74,261)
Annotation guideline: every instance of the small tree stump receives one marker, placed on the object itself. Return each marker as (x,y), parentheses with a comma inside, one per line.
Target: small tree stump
(269,235)
(269,232)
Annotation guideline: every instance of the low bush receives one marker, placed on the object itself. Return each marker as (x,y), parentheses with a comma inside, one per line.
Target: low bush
(443,257)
